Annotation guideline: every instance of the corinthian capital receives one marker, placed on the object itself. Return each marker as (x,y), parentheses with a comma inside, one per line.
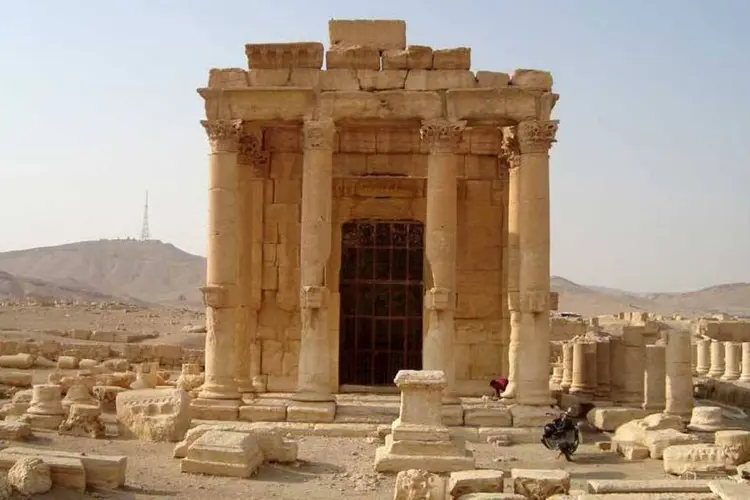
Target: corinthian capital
(223,135)
(442,136)
(319,134)
(510,151)
(537,136)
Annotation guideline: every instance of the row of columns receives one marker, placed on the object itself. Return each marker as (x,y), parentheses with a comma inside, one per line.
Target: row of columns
(625,371)
(232,349)
(723,360)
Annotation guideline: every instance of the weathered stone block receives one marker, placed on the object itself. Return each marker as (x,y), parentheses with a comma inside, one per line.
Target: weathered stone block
(492,79)
(458,58)
(475,481)
(339,79)
(696,458)
(540,483)
(531,79)
(268,77)
(223,453)
(352,58)
(420,79)
(372,33)
(225,78)
(154,414)
(388,104)
(284,55)
(609,419)
(488,417)
(370,80)
(299,411)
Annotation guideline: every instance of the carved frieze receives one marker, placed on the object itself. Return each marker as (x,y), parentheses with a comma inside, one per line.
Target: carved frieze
(379,187)
(250,153)
(442,136)
(537,136)
(319,134)
(223,135)
(510,151)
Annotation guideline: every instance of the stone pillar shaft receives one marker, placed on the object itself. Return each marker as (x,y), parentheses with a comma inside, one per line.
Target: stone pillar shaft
(633,365)
(703,363)
(584,370)
(679,376)
(732,361)
(567,364)
(617,374)
(745,375)
(220,292)
(314,373)
(654,382)
(526,148)
(603,391)
(717,359)
(442,138)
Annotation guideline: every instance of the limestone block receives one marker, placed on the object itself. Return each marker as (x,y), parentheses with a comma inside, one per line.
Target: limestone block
(730,490)
(263,410)
(304,77)
(488,417)
(660,421)
(284,55)
(696,458)
(16,379)
(107,396)
(458,58)
(609,419)
(483,103)
(67,362)
(388,104)
(83,421)
(21,361)
(707,419)
(370,80)
(529,416)
(303,411)
(531,79)
(223,453)
(658,441)
(631,451)
(339,79)
(352,57)
(648,486)
(14,431)
(30,476)
(65,471)
(116,365)
(377,34)
(414,484)
(274,447)
(154,414)
(492,79)
(737,444)
(421,79)
(503,496)
(475,481)
(268,77)
(540,484)
(79,394)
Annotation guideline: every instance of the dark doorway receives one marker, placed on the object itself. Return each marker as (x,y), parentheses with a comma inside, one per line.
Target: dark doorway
(382,289)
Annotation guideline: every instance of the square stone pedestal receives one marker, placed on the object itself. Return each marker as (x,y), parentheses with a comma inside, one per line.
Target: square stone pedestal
(223,453)
(419,439)
(215,409)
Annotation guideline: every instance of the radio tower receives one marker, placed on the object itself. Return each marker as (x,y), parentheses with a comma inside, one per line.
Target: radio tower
(145,233)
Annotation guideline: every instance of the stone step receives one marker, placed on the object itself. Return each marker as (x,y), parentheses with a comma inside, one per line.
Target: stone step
(367,412)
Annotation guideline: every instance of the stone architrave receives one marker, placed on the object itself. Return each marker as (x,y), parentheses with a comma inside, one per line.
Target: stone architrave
(654,383)
(617,368)
(220,292)
(603,391)
(525,148)
(584,370)
(567,365)
(633,365)
(441,225)
(732,361)
(745,375)
(717,359)
(314,372)
(703,361)
(679,376)
(418,437)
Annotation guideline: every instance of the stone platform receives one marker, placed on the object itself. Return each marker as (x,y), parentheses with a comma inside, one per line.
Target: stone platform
(369,409)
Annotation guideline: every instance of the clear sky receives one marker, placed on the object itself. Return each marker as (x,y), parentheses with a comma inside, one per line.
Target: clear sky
(650,178)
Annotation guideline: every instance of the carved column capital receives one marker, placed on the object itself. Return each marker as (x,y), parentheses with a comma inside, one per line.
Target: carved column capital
(442,136)
(319,134)
(218,296)
(439,299)
(510,150)
(313,297)
(223,135)
(537,136)
(250,152)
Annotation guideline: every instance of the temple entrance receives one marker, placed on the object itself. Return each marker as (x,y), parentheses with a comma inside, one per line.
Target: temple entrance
(382,288)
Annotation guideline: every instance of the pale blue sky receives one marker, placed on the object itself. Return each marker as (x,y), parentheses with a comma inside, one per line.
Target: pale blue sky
(650,178)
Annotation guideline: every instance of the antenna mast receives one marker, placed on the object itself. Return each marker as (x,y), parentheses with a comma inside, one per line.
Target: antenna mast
(145,233)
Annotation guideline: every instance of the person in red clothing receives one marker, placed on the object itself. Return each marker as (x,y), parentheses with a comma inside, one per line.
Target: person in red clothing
(499,384)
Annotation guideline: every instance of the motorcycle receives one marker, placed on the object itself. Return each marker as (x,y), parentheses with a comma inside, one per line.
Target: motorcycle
(561,434)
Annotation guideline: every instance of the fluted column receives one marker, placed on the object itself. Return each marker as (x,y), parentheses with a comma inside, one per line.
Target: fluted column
(314,373)
(442,138)
(703,363)
(529,306)
(732,361)
(220,292)
(745,376)
(679,377)
(717,359)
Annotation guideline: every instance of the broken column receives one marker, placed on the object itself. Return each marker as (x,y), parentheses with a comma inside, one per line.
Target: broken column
(679,377)
(717,359)
(703,361)
(441,225)
(654,383)
(732,361)
(219,398)
(584,370)
(603,391)
(567,366)
(314,389)
(45,410)
(633,365)
(745,376)
(418,437)
(526,148)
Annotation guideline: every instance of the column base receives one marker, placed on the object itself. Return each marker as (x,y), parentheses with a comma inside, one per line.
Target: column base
(215,409)
(654,407)
(436,456)
(245,386)
(744,379)
(219,392)
(730,376)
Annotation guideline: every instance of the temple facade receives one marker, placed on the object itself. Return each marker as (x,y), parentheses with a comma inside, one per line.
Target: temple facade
(388,212)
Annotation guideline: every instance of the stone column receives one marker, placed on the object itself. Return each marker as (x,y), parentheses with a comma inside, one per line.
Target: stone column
(703,363)
(603,391)
(567,363)
(717,359)
(314,373)
(634,364)
(529,307)
(584,370)
(442,138)
(253,165)
(745,376)
(679,377)
(732,361)
(694,358)
(220,292)
(654,381)
(617,373)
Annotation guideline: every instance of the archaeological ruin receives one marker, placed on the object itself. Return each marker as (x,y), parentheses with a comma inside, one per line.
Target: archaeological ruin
(388,212)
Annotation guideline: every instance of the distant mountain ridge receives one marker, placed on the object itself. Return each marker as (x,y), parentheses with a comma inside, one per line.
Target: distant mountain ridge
(158,272)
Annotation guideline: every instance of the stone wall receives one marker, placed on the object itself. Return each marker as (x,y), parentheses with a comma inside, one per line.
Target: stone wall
(736,331)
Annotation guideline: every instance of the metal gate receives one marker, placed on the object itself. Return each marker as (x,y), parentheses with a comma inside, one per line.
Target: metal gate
(382,290)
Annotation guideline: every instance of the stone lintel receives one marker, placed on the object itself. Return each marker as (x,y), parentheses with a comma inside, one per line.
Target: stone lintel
(259,103)
(379,187)
(420,379)
(380,34)
(388,104)
(284,55)
(490,103)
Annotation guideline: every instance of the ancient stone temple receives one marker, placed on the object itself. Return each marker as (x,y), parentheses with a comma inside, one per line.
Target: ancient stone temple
(388,212)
